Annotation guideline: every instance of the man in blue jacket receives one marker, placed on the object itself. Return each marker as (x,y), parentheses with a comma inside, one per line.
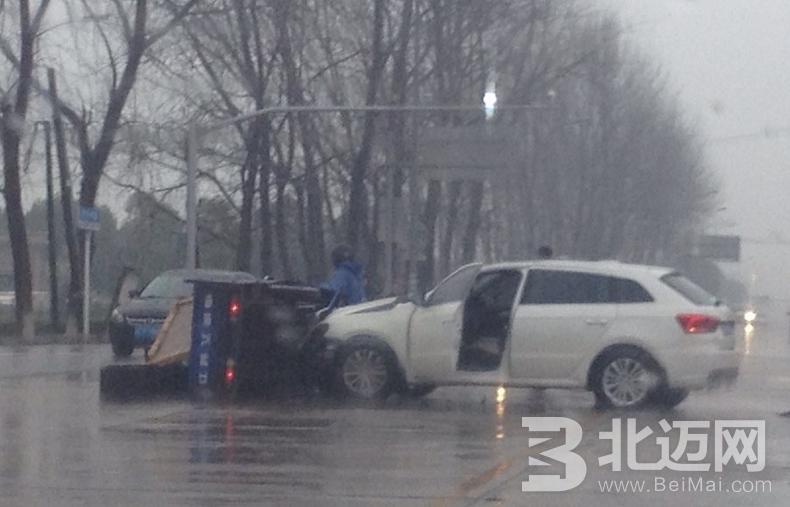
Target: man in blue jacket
(346,282)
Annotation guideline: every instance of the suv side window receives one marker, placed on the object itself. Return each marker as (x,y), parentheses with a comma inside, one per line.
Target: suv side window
(690,290)
(497,288)
(629,291)
(550,287)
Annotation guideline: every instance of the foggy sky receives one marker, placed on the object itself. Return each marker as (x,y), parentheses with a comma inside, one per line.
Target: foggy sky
(729,61)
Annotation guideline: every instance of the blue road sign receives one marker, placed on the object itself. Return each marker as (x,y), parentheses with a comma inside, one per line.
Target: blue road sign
(89,219)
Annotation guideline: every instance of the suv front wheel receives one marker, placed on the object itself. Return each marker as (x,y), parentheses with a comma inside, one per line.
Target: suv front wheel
(366,372)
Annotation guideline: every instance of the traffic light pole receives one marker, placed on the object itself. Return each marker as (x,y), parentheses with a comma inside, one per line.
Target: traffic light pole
(193,145)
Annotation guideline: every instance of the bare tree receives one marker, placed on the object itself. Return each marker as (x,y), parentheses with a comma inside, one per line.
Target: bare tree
(379,55)
(315,249)
(596,179)
(12,126)
(138,37)
(595,166)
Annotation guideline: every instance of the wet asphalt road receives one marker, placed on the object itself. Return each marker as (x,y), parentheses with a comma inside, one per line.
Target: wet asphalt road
(61,444)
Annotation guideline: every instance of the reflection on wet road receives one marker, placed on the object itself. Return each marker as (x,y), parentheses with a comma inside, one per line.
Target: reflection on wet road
(60,444)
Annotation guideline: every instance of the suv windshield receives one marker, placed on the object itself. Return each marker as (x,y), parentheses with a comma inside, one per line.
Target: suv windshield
(690,290)
(455,286)
(167,287)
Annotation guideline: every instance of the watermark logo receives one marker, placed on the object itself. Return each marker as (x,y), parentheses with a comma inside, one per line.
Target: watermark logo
(744,441)
(740,441)
(575,466)
(735,443)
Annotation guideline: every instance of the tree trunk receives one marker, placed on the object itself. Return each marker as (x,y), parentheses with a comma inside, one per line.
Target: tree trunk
(52,242)
(397,130)
(445,257)
(249,176)
(357,206)
(301,225)
(75,267)
(426,276)
(469,245)
(315,247)
(282,231)
(244,248)
(282,175)
(11,124)
(94,160)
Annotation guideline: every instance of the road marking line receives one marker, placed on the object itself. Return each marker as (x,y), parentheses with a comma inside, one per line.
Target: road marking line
(486,477)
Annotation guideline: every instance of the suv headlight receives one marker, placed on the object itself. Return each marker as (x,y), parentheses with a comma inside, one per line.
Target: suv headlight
(117,317)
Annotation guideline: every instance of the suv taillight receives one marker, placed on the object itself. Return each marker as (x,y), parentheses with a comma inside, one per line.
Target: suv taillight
(695,323)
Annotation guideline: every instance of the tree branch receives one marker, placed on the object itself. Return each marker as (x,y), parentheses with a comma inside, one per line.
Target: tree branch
(105,40)
(179,13)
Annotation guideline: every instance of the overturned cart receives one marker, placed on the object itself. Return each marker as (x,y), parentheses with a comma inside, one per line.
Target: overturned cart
(230,337)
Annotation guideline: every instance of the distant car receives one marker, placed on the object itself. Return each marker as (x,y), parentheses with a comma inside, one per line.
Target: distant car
(631,334)
(136,323)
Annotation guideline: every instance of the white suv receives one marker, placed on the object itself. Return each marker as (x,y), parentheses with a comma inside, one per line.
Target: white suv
(632,334)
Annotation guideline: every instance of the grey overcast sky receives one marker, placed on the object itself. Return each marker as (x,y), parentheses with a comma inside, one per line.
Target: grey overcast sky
(729,60)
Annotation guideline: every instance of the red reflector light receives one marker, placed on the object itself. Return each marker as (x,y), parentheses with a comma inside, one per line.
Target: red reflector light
(695,323)
(234,308)
(230,372)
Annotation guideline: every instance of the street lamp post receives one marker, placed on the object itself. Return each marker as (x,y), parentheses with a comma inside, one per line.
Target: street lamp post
(193,143)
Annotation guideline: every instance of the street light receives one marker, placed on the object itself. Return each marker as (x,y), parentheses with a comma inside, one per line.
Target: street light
(489,100)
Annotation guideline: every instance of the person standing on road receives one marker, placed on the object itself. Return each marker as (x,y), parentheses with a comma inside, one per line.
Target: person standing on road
(346,283)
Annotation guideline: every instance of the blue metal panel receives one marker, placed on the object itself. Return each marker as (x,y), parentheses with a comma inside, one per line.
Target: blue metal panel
(206,323)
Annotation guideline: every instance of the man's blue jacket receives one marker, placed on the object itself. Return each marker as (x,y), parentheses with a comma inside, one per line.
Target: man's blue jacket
(346,284)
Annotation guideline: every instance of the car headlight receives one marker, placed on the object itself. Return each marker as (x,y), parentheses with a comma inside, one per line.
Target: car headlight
(117,317)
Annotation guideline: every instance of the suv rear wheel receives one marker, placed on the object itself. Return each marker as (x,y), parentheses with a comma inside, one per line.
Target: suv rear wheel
(625,378)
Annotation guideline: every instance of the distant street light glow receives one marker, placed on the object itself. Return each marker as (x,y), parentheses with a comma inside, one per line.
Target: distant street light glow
(489,100)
